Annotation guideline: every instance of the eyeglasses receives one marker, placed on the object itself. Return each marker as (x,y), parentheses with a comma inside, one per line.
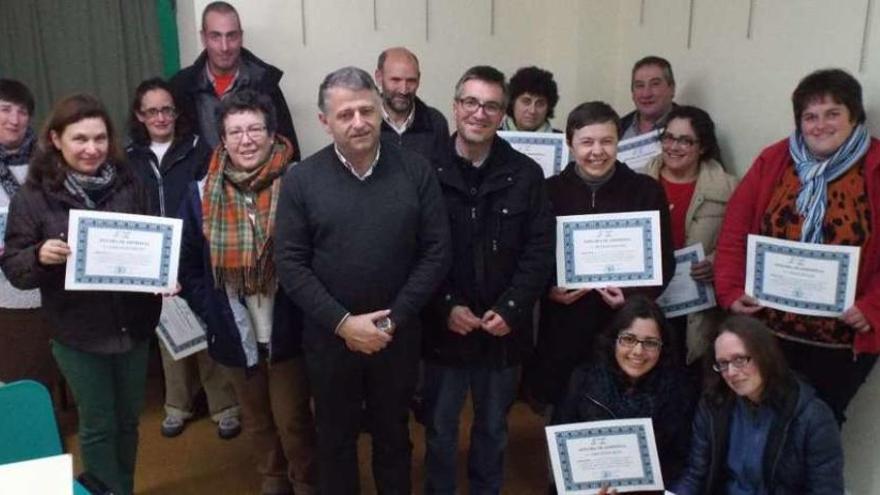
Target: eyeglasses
(471,105)
(684,141)
(152,113)
(255,132)
(629,341)
(738,363)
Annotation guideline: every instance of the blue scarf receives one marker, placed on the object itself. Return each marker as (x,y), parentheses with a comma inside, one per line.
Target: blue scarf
(815,174)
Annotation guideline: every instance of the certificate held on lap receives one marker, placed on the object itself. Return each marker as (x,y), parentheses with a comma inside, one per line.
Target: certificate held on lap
(122,252)
(802,278)
(619,453)
(609,249)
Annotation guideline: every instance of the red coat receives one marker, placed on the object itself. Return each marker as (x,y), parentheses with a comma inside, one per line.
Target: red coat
(743,217)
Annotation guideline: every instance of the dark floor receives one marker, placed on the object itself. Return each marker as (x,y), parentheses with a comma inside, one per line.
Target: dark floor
(198,462)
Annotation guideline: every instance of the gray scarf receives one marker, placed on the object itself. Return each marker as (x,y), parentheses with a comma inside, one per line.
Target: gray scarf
(80,185)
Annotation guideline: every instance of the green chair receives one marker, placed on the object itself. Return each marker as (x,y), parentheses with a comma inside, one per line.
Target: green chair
(27,425)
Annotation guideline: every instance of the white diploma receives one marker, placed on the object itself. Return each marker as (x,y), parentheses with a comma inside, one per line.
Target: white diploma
(180,330)
(609,249)
(619,453)
(637,151)
(548,149)
(41,476)
(122,252)
(4,214)
(684,295)
(799,277)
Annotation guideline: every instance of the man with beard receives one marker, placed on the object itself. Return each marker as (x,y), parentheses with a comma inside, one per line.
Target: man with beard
(406,119)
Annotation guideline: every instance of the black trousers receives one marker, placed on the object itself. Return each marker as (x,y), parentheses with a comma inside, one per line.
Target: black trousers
(834,373)
(348,385)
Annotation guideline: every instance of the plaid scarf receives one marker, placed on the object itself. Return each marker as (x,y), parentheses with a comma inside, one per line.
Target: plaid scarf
(241,249)
(80,185)
(815,174)
(20,156)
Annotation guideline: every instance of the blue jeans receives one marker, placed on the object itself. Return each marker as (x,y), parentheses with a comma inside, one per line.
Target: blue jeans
(492,393)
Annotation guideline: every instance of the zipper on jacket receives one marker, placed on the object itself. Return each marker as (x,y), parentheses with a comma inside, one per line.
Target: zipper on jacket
(603,406)
(593,199)
(158,175)
(770,483)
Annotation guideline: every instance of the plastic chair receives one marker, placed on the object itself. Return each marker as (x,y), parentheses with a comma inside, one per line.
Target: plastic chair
(28,429)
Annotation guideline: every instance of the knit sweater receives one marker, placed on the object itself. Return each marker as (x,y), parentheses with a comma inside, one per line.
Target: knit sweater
(349,246)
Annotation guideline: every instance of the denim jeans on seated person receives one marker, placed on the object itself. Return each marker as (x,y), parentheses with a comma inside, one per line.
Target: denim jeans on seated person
(492,393)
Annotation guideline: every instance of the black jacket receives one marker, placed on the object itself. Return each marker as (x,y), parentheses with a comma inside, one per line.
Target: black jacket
(803,454)
(185,161)
(38,213)
(565,337)
(428,135)
(198,102)
(225,338)
(502,244)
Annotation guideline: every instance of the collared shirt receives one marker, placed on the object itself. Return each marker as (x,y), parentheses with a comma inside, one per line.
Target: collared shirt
(633,129)
(402,127)
(351,168)
(213,80)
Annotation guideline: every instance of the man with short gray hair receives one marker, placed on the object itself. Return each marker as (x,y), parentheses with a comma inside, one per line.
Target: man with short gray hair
(362,243)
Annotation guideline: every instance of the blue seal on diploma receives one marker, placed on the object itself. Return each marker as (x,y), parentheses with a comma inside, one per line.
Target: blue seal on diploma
(124,228)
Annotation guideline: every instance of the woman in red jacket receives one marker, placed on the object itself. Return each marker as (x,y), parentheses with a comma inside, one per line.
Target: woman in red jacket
(820,186)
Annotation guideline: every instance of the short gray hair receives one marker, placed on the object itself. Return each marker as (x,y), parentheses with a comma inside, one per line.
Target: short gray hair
(349,77)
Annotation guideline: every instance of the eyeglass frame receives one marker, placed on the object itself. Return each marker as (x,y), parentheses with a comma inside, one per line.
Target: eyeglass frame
(648,344)
(683,141)
(262,132)
(738,363)
(167,111)
(471,101)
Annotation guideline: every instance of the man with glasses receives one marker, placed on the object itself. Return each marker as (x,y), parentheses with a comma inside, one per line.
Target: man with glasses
(406,120)
(362,244)
(478,326)
(223,68)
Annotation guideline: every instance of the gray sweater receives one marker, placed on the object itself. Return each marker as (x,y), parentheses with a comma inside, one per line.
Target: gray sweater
(345,245)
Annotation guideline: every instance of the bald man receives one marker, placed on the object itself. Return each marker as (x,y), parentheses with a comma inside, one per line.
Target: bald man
(407,121)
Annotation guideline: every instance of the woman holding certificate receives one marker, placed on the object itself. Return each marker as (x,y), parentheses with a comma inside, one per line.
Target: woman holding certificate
(819,186)
(633,376)
(167,157)
(697,188)
(595,182)
(227,274)
(759,428)
(100,339)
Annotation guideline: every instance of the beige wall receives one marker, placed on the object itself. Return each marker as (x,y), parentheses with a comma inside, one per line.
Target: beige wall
(590,46)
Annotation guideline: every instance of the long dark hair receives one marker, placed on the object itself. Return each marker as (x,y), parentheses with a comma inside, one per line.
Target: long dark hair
(703,127)
(137,131)
(767,358)
(47,165)
(637,306)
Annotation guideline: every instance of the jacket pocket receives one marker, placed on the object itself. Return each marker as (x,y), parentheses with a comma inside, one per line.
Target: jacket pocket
(510,221)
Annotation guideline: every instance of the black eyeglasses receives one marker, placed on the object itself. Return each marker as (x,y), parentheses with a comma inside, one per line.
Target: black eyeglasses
(492,108)
(629,341)
(739,362)
(152,113)
(684,141)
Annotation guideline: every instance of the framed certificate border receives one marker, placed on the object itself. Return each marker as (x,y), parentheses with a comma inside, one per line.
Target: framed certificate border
(554,139)
(179,329)
(705,293)
(4,215)
(79,226)
(637,151)
(559,436)
(647,221)
(846,257)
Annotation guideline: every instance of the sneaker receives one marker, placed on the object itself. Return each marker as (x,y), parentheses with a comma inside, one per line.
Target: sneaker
(228,427)
(172,426)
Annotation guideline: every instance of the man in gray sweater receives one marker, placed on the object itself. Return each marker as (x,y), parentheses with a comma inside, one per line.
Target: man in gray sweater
(362,243)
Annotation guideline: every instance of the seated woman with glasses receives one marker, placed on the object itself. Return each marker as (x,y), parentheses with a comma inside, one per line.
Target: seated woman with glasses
(697,188)
(758,428)
(632,376)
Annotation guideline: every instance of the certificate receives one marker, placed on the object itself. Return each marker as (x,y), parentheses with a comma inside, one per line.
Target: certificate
(619,453)
(39,476)
(548,149)
(803,278)
(4,214)
(122,252)
(685,295)
(180,330)
(609,249)
(637,151)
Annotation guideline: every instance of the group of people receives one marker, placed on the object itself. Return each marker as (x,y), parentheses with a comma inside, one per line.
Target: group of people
(401,261)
